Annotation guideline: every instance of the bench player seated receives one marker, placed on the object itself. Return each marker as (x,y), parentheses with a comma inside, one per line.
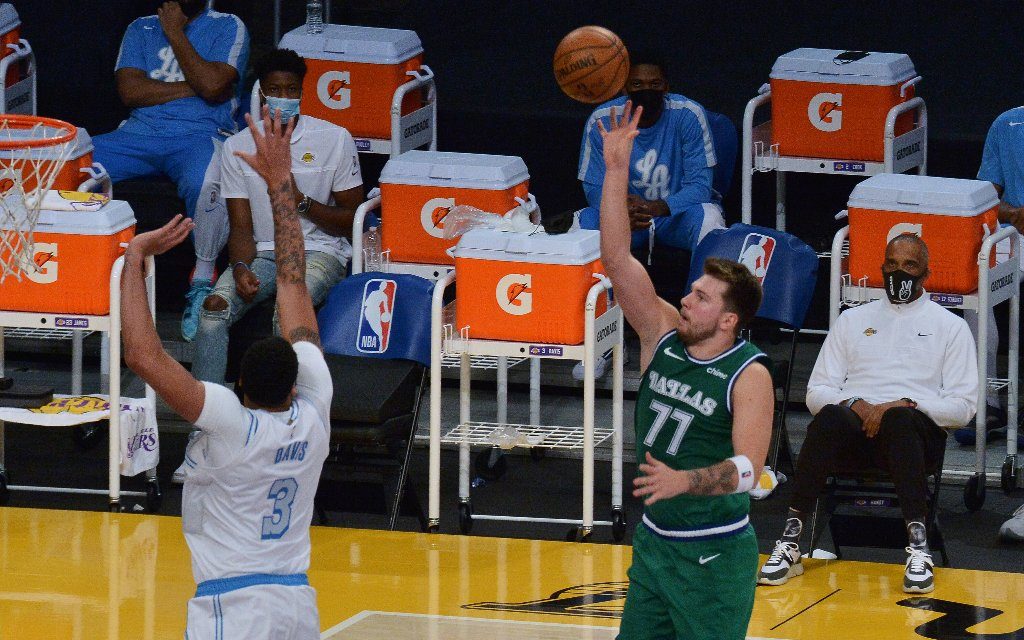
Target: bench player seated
(252,474)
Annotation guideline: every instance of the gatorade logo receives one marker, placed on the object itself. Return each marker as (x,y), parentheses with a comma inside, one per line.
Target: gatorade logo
(43,268)
(901,228)
(514,294)
(825,111)
(330,88)
(433,213)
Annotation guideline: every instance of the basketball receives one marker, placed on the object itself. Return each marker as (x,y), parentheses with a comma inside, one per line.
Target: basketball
(591,64)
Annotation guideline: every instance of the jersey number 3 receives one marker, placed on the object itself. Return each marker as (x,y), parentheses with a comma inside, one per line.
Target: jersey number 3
(665,412)
(282,492)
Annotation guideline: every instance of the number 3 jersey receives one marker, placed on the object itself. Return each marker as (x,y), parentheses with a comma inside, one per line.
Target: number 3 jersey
(684,418)
(251,476)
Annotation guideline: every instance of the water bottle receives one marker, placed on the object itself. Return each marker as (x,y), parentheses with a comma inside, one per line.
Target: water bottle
(314,17)
(371,250)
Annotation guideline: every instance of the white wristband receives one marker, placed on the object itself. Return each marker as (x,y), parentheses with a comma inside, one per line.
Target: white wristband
(745,474)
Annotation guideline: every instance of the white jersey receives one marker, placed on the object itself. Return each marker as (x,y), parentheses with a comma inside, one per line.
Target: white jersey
(251,476)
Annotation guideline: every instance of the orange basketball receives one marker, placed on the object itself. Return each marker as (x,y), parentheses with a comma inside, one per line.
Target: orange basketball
(591,64)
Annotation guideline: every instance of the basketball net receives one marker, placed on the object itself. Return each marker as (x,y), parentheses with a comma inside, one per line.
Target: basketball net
(32,152)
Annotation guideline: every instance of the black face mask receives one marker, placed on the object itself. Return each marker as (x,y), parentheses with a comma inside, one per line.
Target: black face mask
(652,100)
(900,286)
(192,8)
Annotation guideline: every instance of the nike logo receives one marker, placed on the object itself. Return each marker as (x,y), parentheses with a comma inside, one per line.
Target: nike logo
(151,27)
(1014,124)
(668,352)
(708,559)
(924,334)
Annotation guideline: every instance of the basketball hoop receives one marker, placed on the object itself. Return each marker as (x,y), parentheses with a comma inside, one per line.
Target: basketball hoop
(32,152)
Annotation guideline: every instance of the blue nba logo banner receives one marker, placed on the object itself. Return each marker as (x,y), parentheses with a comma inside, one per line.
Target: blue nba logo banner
(756,254)
(377,310)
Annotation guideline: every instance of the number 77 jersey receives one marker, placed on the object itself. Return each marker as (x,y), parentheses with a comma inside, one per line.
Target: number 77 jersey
(684,419)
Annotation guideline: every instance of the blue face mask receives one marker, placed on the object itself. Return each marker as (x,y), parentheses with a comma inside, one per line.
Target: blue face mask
(289,107)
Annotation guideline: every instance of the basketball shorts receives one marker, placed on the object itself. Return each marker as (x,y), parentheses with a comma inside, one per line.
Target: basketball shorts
(690,589)
(277,611)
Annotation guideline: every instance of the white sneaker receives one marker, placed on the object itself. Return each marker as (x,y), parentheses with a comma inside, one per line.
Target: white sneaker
(1013,529)
(178,477)
(783,564)
(600,366)
(918,576)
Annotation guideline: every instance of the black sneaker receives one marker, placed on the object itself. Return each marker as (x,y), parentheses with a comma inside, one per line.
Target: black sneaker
(918,576)
(782,564)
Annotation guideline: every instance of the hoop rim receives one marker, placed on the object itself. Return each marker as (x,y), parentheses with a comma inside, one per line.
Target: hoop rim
(71,131)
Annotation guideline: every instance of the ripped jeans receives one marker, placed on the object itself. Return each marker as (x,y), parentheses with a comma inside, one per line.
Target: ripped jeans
(210,359)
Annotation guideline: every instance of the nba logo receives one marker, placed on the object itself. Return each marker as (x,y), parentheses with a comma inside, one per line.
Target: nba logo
(375,317)
(756,254)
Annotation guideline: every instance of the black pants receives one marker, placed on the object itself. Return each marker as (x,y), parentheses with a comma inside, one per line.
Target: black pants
(908,445)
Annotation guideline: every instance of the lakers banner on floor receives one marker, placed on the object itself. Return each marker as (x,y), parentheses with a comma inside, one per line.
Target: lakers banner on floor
(140,444)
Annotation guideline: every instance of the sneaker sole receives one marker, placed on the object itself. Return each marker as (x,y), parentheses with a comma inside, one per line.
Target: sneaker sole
(795,570)
(916,589)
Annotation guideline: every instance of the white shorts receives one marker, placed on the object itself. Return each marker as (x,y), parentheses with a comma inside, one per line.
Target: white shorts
(281,612)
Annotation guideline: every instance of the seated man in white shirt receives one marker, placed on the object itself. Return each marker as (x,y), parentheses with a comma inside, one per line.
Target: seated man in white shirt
(890,377)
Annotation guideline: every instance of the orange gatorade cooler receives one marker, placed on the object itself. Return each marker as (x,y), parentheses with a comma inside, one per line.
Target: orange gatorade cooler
(78,171)
(352,74)
(74,252)
(526,288)
(10,33)
(419,188)
(951,215)
(828,103)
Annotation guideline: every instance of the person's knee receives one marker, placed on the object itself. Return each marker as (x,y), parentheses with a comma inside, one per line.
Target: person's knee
(215,308)
(898,420)
(830,419)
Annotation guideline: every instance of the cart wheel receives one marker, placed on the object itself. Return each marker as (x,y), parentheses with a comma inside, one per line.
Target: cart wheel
(974,492)
(618,525)
(538,453)
(87,436)
(115,507)
(5,493)
(1010,474)
(491,464)
(578,534)
(465,518)
(154,498)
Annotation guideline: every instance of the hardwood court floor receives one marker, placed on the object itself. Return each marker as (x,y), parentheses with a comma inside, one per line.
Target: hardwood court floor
(86,575)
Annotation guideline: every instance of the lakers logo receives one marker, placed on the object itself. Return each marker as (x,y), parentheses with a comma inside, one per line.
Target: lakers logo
(596,600)
(308,157)
(514,294)
(825,111)
(433,213)
(76,405)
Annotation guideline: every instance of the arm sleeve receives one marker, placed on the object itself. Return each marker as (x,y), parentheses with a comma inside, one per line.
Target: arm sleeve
(957,400)
(591,167)
(132,53)
(348,174)
(696,189)
(314,382)
(694,136)
(232,182)
(991,168)
(231,45)
(830,370)
(224,421)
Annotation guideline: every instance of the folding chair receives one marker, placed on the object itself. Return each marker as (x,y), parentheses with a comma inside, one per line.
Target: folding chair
(375,330)
(869,521)
(787,268)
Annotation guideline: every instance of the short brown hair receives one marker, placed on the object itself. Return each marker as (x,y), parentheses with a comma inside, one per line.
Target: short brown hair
(743,292)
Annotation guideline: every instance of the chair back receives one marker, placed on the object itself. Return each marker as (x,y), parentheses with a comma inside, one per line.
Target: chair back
(378,315)
(726,141)
(786,267)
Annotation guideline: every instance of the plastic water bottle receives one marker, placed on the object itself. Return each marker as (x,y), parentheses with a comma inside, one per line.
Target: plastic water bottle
(371,250)
(314,17)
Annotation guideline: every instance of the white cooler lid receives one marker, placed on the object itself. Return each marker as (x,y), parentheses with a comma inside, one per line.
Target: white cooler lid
(81,145)
(826,65)
(9,19)
(346,43)
(447,168)
(116,216)
(578,247)
(924,194)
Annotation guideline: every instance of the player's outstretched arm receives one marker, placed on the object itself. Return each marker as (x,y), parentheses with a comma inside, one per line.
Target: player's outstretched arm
(753,402)
(272,161)
(143,352)
(649,315)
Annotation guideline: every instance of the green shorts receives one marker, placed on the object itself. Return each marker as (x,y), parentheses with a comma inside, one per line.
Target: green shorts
(690,589)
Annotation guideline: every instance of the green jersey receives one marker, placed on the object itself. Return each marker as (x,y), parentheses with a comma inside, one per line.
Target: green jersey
(684,418)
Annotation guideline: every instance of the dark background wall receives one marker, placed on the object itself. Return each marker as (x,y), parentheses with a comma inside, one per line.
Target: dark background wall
(498,95)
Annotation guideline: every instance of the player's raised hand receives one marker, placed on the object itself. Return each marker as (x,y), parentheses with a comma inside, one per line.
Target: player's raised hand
(157,241)
(273,159)
(618,138)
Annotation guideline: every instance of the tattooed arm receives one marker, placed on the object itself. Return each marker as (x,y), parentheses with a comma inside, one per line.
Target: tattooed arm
(752,401)
(272,161)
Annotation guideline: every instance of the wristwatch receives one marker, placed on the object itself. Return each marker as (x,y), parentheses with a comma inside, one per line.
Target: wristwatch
(304,205)
(848,403)
(241,263)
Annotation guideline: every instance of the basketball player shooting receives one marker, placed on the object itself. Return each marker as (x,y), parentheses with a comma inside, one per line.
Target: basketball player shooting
(703,423)
(252,474)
